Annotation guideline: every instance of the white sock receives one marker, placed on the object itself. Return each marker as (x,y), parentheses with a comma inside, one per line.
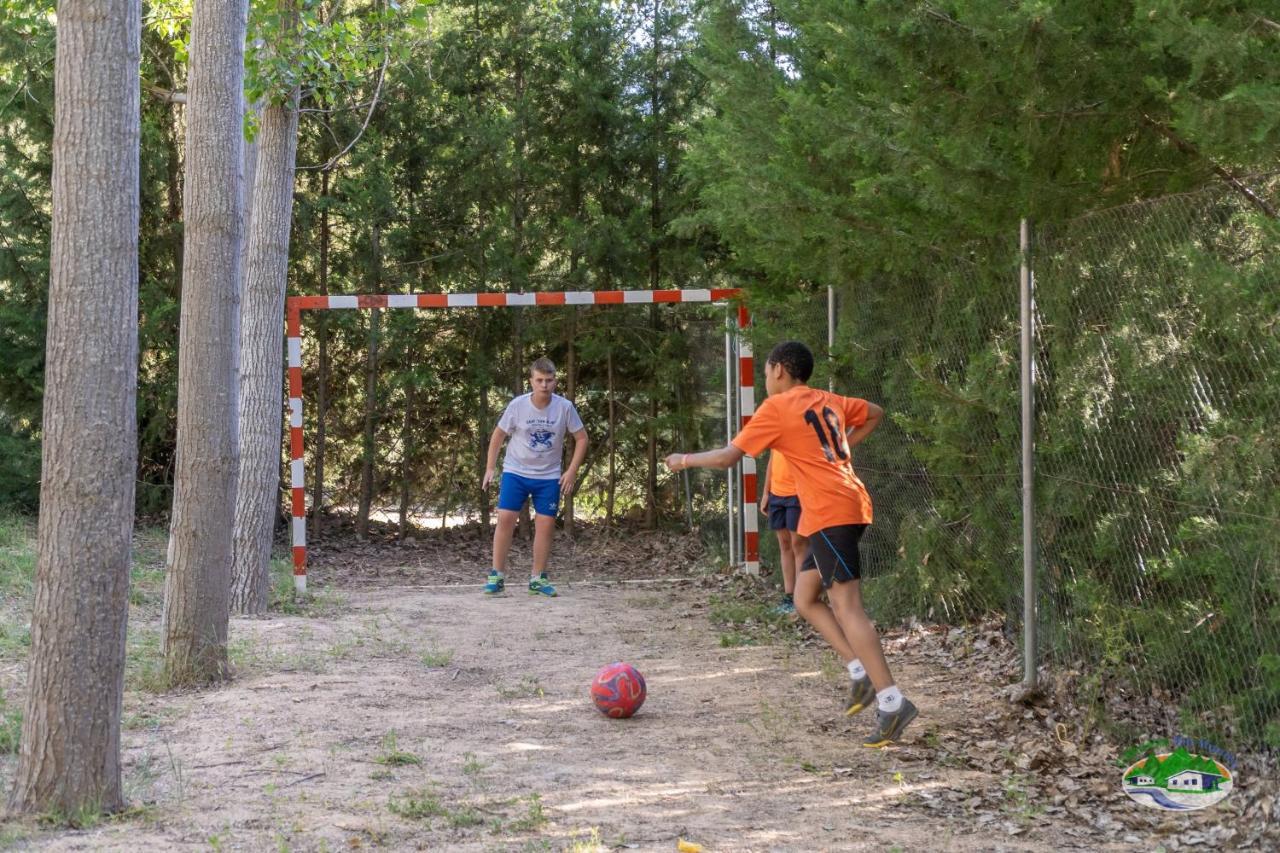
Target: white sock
(889,699)
(856,670)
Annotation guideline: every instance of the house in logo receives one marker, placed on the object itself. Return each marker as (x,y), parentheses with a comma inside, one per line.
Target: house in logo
(1177,780)
(1194,780)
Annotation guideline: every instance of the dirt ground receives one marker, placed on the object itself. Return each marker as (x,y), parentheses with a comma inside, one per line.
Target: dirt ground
(405,711)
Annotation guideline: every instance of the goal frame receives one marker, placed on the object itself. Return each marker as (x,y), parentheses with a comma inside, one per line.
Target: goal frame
(746,470)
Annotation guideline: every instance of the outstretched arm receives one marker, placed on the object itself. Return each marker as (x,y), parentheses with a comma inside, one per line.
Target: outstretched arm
(491,462)
(579,453)
(725,457)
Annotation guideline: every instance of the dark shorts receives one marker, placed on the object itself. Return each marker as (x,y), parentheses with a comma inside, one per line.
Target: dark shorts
(833,551)
(784,512)
(514,489)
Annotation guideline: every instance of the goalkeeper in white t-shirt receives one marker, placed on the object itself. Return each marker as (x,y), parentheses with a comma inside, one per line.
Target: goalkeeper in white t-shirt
(536,423)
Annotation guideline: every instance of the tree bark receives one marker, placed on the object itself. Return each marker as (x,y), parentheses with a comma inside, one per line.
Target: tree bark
(651,449)
(262,358)
(613,447)
(70,755)
(571,388)
(322,381)
(369,450)
(198,584)
(655,264)
(406,463)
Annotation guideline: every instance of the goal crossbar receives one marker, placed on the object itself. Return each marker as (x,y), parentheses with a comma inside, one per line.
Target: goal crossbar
(295,305)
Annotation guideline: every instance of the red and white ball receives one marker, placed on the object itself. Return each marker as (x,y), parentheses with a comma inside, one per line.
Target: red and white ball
(618,690)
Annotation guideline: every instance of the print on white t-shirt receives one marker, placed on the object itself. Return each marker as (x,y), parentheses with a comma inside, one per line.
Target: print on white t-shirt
(536,436)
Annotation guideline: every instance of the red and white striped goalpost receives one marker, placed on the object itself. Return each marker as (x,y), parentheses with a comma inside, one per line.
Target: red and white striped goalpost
(297,304)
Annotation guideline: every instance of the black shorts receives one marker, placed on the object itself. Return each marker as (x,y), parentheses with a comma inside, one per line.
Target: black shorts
(784,512)
(833,551)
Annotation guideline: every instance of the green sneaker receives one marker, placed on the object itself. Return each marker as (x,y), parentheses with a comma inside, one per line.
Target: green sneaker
(861,695)
(497,583)
(540,586)
(889,726)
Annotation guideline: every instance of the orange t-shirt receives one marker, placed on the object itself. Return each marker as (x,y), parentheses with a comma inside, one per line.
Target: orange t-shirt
(782,484)
(809,426)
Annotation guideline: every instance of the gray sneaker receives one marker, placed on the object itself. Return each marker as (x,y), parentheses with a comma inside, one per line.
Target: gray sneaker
(889,726)
(861,695)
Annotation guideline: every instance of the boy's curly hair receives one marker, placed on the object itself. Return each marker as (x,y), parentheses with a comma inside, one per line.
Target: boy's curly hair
(795,358)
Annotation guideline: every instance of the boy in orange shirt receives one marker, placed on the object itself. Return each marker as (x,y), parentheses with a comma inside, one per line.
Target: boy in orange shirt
(781,505)
(816,430)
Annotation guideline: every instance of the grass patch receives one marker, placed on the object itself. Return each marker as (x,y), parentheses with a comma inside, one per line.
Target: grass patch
(12,834)
(527,688)
(464,816)
(143,662)
(17,557)
(10,726)
(285,598)
(369,643)
(434,657)
(15,639)
(472,767)
(392,755)
(534,818)
(146,578)
(591,844)
(422,804)
(745,615)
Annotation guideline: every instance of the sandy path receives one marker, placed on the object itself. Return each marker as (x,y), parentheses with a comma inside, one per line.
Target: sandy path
(736,748)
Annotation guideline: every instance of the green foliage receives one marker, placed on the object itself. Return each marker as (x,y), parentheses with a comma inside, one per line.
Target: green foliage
(889,150)
(26,128)
(10,727)
(392,755)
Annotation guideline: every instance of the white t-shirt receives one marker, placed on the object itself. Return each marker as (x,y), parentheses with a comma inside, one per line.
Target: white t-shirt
(536,436)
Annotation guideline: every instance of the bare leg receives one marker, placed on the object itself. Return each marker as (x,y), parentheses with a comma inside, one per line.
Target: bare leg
(846,600)
(502,532)
(787,554)
(544,527)
(810,605)
(799,550)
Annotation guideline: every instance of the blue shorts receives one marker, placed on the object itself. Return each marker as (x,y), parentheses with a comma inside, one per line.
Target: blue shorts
(514,489)
(784,512)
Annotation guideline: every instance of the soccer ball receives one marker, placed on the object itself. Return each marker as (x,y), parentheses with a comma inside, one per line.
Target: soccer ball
(618,690)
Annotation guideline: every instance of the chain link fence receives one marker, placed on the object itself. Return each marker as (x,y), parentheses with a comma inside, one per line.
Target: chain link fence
(1158,513)
(1157,462)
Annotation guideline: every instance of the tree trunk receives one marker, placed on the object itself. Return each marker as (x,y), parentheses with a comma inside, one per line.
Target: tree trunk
(524,523)
(173,196)
(613,456)
(655,265)
(651,450)
(407,448)
(571,387)
(198,584)
(70,755)
(262,359)
(370,422)
(322,381)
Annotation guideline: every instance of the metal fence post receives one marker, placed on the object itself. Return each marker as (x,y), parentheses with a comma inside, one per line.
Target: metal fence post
(1026,297)
(729,391)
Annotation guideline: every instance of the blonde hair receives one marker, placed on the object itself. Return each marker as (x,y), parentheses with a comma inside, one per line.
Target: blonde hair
(542,365)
